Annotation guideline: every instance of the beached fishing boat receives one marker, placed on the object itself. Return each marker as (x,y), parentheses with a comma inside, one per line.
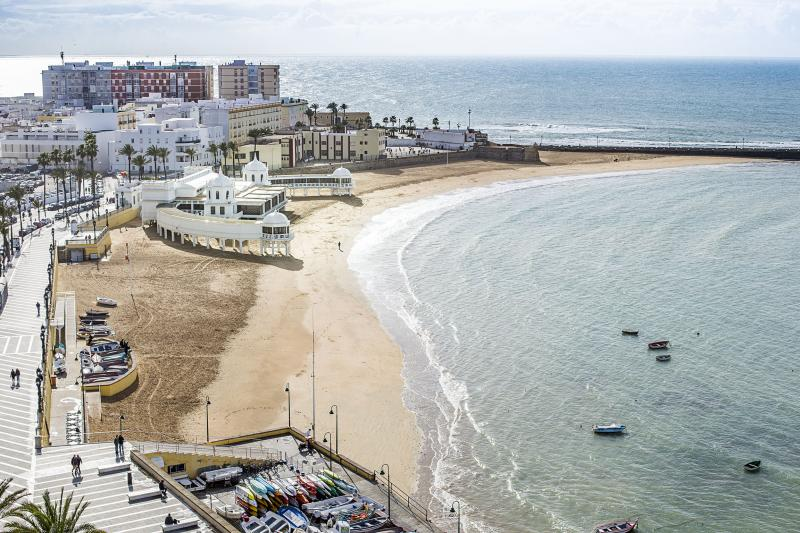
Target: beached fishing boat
(98,313)
(294,516)
(106,302)
(663,357)
(658,345)
(608,428)
(373,524)
(634,332)
(617,526)
(752,466)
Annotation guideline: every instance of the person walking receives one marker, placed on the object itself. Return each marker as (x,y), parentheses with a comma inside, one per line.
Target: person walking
(78,462)
(122,446)
(340,246)
(163,488)
(116,445)
(13,376)
(38,309)
(17,372)
(74,462)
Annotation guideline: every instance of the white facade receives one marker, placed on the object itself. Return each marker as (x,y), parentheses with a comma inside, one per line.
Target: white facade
(175,134)
(23,147)
(446,139)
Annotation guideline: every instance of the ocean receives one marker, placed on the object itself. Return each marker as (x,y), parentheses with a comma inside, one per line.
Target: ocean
(525,100)
(509,301)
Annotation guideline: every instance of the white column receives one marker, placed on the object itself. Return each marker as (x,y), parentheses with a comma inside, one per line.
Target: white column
(221,244)
(194,240)
(261,245)
(240,245)
(181,237)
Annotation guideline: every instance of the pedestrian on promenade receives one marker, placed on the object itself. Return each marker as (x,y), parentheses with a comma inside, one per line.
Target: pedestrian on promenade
(74,463)
(17,372)
(163,488)
(116,445)
(38,309)
(122,446)
(13,375)
(78,462)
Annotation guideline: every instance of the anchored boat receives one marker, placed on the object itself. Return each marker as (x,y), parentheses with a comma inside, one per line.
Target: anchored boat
(658,345)
(634,332)
(608,428)
(661,358)
(617,526)
(752,466)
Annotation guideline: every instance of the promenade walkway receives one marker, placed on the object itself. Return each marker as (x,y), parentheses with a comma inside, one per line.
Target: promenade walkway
(20,347)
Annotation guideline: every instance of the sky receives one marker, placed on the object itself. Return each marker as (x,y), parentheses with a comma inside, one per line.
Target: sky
(661,28)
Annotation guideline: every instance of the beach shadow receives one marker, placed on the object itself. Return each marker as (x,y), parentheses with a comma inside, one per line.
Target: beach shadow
(354,201)
(283,262)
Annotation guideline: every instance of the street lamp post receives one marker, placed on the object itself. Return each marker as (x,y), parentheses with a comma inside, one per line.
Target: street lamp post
(121,420)
(330,452)
(208,402)
(335,411)
(388,486)
(456,505)
(289,396)
(53,236)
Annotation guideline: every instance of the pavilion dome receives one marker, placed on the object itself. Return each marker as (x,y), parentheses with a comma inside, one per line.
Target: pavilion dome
(341,172)
(220,180)
(255,166)
(275,219)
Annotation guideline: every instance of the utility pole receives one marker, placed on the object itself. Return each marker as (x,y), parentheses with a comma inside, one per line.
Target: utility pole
(313,379)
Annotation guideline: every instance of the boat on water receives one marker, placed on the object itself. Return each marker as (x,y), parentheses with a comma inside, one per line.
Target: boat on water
(608,428)
(617,526)
(663,357)
(658,345)
(634,332)
(752,466)
(106,302)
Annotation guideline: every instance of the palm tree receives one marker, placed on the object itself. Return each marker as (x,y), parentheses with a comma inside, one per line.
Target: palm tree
(140,161)
(8,499)
(60,174)
(80,175)
(344,107)
(409,124)
(17,193)
(128,151)
(153,153)
(223,147)
(314,107)
(51,517)
(436,123)
(368,121)
(68,156)
(334,108)
(213,149)
(38,205)
(163,153)
(309,113)
(385,122)
(191,152)
(43,160)
(5,225)
(90,148)
(234,152)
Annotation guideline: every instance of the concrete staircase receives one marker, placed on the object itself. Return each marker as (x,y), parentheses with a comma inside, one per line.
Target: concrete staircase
(107,494)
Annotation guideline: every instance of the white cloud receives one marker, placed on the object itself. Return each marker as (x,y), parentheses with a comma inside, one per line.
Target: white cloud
(410,27)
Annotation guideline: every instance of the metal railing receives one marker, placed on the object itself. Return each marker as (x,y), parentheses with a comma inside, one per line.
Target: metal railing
(94,238)
(238,452)
(401,497)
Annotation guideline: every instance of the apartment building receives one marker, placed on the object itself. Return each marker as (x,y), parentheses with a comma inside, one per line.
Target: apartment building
(355,145)
(239,79)
(360,119)
(175,134)
(185,81)
(78,84)
(238,117)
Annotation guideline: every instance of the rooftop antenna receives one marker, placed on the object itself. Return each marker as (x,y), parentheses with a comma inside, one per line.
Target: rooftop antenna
(176,59)
(62,57)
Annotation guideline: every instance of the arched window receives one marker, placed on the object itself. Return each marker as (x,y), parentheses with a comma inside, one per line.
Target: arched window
(217,195)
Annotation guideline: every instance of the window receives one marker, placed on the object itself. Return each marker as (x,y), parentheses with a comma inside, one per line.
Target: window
(217,195)
(227,195)
(175,469)
(213,210)
(221,210)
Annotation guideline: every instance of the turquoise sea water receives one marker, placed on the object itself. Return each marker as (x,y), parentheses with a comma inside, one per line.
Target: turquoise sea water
(576,101)
(509,300)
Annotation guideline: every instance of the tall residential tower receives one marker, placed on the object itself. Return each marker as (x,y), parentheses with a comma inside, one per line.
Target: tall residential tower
(239,80)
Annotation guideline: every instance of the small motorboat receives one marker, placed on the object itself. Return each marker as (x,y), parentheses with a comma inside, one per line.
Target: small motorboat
(617,526)
(634,332)
(233,512)
(752,466)
(294,516)
(658,345)
(608,428)
(96,313)
(106,302)
(664,357)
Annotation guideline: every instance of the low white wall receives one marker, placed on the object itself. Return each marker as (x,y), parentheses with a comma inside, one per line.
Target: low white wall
(214,227)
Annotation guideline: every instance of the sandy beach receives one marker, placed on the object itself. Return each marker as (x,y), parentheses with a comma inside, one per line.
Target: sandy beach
(238,329)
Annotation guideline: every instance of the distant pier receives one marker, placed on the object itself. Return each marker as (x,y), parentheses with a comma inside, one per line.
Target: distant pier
(787,154)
